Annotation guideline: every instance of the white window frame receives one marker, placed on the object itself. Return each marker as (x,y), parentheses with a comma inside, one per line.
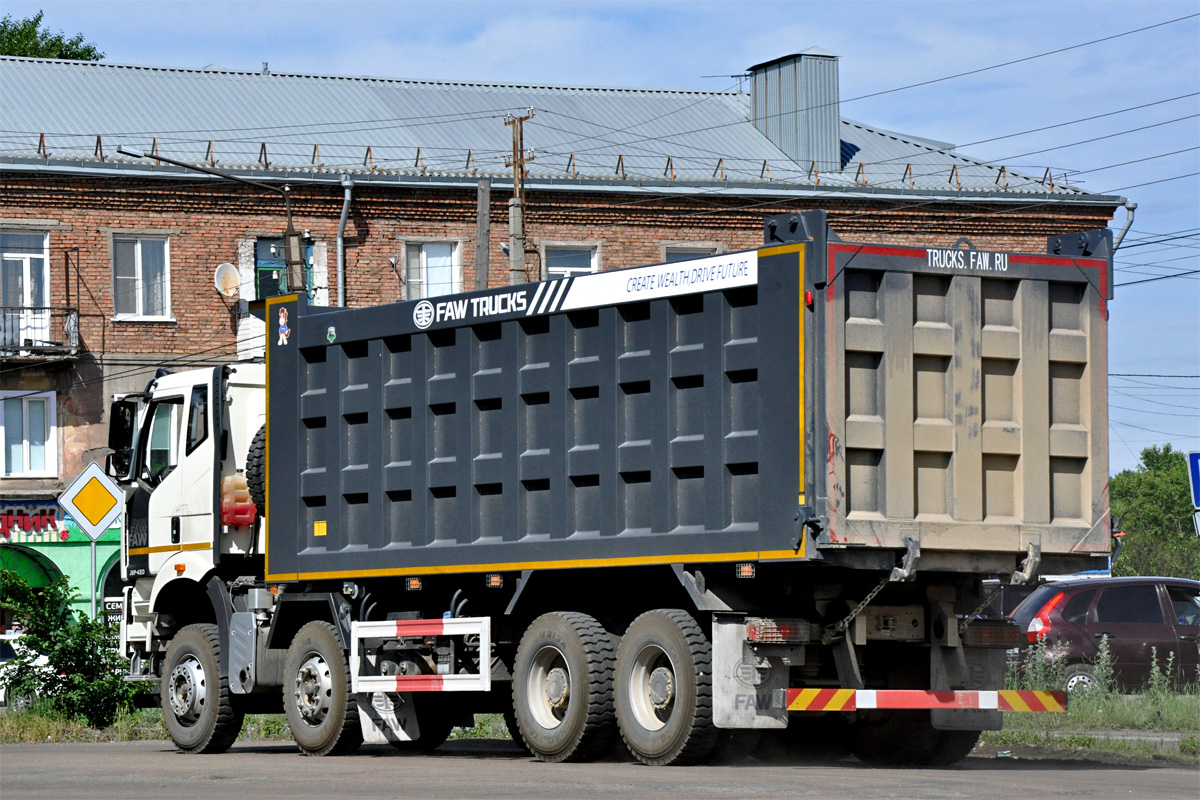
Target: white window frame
(25,259)
(700,249)
(456,249)
(547,245)
(51,400)
(138,238)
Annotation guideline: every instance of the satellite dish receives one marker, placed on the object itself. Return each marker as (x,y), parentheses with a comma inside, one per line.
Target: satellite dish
(227,279)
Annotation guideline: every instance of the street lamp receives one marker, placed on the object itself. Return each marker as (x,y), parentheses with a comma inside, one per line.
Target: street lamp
(293,240)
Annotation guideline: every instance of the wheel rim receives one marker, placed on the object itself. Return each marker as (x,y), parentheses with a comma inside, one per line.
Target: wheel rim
(313,692)
(188,690)
(652,688)
(548,687)
(1080,683)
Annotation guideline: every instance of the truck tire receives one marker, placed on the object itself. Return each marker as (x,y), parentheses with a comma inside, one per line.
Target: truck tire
(663,689)
(256,470)
(197,704)
(320,709)
(909,738)
(562,687)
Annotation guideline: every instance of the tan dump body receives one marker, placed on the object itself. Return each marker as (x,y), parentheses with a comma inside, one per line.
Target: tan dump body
(965,404)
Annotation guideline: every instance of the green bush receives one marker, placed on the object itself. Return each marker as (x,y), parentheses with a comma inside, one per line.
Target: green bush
(82,677)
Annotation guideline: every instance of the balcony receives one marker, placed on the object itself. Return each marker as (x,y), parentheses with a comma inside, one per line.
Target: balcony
(38,334)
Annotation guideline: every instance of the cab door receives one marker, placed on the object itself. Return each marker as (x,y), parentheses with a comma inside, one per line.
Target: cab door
(160,488)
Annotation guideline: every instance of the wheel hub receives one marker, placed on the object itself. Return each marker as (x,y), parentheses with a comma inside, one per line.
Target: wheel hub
(188,690)
(558,687)
(662,687)
(313,691)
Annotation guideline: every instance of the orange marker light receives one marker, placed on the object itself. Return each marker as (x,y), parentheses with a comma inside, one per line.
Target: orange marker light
(494,581)
(179,568)
(412,584)
(744,570)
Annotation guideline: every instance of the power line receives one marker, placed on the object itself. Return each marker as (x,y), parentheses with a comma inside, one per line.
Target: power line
(1146,375)
(1157,278)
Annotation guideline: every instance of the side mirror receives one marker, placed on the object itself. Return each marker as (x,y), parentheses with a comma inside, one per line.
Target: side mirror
(122,425)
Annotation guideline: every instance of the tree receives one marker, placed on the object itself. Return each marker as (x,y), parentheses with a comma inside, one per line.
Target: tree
(82,672)
(1153,505)
(27,37)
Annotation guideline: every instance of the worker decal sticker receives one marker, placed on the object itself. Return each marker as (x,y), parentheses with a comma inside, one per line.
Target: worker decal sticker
(284,330)
(423,314)
(331,334)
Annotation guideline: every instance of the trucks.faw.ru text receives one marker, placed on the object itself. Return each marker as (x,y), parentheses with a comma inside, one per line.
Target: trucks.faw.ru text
(667,503)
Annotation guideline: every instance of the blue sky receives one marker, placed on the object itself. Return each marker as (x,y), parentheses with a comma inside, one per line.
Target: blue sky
(1154,327)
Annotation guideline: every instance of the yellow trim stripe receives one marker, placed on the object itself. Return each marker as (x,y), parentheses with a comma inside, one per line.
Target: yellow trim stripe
(763,252)
(271,301)
(169,548)
(750,555)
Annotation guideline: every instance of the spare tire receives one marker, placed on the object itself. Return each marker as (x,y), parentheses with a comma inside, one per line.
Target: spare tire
(256,470)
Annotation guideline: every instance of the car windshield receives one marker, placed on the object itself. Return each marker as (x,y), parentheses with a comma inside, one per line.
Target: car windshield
(1032,604)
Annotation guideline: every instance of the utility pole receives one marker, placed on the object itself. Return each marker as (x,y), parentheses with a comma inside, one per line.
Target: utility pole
(516,218)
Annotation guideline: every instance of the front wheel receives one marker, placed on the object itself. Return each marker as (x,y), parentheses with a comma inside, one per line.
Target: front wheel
(320,709)
(197,704)
(663,688)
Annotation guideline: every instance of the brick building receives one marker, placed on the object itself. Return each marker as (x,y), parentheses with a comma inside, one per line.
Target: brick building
(109,259)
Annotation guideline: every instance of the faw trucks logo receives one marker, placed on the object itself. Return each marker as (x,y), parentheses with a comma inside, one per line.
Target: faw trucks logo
(426,313)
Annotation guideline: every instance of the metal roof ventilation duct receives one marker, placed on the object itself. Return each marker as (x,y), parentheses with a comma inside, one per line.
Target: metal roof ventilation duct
(794,103)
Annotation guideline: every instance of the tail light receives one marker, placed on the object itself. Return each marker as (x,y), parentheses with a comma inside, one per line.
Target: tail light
(777,631)
(1039,626)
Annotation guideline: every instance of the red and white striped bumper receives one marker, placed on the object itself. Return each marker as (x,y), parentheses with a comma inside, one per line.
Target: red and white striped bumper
(859,699)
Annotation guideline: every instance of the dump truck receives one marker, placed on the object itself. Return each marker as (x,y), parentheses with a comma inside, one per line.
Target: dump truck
(661,506)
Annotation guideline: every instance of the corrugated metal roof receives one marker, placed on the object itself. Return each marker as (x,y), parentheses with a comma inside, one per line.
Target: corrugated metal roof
(354,125)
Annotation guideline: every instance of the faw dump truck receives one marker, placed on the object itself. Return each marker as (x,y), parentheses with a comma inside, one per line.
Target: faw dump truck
(665,504)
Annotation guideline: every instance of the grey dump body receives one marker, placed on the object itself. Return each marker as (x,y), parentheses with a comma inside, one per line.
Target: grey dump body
(699,411)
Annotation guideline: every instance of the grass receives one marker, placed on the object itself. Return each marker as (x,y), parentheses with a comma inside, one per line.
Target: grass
(40,724)
(1100,710)
(1089,745)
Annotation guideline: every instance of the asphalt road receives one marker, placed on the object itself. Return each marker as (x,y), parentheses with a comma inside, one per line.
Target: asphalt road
(496,769)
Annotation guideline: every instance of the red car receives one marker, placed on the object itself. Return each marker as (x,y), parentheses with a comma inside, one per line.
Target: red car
(1137,614)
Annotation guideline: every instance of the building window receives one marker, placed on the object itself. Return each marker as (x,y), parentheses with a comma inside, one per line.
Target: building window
(687,251)
(24,288)
(431,269)
(566,260)
(28,437)
(142,278)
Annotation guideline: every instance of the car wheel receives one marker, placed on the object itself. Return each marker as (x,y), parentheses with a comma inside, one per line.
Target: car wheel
(1081,678)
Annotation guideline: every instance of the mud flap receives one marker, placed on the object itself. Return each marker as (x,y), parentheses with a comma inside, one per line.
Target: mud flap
(387,717)
(976,669)
(749,689)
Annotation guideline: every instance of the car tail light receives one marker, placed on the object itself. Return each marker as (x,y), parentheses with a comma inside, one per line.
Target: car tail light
(1039,626)
(777,631)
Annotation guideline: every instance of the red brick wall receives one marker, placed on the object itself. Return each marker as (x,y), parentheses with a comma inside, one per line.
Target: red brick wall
(211,218)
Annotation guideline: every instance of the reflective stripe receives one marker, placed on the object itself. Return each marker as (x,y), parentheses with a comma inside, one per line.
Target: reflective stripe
(852,700)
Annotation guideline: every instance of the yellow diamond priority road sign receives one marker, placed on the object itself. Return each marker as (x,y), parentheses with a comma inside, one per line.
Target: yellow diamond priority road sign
(94,501)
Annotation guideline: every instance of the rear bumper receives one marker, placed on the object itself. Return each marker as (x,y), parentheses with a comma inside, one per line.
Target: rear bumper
(920,699)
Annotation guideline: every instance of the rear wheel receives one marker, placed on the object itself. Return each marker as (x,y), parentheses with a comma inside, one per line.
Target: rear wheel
(562,687)
(320,709)
(663,689)
(197,704)
(1080,678)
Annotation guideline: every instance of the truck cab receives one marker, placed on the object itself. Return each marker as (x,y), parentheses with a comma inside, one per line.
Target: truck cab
(180,456)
